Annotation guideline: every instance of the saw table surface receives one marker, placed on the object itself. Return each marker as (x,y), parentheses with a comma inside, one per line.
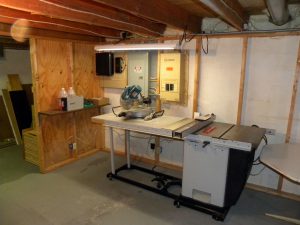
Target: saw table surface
(161,126)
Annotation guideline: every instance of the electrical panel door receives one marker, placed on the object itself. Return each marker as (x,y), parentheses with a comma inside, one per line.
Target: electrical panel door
(171,76)
(138,70)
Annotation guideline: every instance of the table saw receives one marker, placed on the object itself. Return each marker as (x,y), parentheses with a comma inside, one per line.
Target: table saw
(217,159)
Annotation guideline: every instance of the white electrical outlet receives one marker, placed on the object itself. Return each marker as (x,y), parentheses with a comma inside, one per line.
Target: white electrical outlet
(74,146)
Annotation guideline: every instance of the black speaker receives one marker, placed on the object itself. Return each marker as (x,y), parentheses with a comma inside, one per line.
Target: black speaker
(104,64)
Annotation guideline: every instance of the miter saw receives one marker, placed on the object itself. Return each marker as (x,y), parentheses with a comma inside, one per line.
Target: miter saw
(135,105)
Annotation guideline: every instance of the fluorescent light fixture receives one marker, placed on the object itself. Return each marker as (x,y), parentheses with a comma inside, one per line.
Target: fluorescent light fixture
(136,47)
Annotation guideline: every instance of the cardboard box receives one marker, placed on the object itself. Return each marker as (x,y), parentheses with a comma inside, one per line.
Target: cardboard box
(72,102)
(100,101)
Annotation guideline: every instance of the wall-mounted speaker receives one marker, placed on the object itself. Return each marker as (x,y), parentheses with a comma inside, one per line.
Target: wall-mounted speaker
(104,64)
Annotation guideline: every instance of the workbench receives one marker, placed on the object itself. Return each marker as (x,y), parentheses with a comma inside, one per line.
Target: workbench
(209,133)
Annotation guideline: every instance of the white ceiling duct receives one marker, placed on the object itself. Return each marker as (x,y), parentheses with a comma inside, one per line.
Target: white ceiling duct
(278,11)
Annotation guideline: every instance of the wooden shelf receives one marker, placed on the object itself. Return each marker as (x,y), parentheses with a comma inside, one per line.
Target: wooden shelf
(58,112)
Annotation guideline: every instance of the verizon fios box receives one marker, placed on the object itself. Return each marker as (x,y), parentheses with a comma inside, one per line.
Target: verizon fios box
(72,102)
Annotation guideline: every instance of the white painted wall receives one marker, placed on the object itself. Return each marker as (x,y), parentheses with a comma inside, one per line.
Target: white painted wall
(270,73)
(15,62)
(220,78)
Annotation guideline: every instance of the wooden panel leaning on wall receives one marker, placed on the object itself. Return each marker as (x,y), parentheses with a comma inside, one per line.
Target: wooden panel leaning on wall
(57,64)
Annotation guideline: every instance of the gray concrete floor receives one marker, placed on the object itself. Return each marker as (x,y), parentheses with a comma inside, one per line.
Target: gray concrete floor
(80,194)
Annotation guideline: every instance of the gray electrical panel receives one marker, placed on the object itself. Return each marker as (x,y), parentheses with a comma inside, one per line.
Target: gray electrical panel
(138,70)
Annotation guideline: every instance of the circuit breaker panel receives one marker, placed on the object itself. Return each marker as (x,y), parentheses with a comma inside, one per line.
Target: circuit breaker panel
(138,71)
(171,76)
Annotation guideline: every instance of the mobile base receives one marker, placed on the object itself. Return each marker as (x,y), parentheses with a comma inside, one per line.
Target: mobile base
(218,213)
(165,181)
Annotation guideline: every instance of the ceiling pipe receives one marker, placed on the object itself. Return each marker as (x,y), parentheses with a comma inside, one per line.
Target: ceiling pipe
(279,13)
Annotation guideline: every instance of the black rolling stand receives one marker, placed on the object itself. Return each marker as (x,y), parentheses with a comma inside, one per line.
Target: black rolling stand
(164,181)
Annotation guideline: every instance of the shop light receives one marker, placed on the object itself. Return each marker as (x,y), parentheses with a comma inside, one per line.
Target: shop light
(136,47)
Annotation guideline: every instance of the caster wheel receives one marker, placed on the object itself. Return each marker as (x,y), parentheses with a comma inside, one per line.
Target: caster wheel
(158,185)
(218,218)
(109,176)
(177,204)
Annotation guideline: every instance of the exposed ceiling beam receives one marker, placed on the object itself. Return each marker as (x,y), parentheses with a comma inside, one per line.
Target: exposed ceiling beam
(237,8)
(159,10)
(5,30)
(87,12)
(228,10)
(10,16)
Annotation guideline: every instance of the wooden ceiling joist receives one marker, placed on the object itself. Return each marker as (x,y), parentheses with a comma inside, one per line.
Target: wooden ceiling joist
(5,30)
(10,16)
(159,10)
(228,10)
(88,12)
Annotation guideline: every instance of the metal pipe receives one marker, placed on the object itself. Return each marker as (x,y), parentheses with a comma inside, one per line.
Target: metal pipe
(279,13)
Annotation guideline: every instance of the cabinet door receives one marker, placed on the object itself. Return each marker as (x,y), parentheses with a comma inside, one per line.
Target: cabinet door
(89,136)
(57,133)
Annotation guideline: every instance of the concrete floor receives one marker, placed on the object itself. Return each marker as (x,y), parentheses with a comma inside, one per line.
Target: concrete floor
(80,194)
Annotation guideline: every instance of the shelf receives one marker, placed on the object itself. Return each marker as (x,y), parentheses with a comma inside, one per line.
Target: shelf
(58,112)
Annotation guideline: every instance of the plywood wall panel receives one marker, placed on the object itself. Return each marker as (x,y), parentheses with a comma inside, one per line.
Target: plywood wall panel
(86,83)
(57,133)
(53,72)
(88,134)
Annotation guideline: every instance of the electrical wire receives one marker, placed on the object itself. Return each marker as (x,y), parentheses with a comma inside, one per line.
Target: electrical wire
(259,172)
(205,51)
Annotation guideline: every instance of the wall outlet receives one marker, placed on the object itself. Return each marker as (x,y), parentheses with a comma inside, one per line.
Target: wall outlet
(270,131)
(152,146)
(72,146)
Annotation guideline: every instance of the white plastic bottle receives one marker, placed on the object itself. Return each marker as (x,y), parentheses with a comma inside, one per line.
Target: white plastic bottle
(71,92)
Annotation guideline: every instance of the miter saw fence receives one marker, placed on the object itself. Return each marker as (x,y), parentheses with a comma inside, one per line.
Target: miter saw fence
(135,105)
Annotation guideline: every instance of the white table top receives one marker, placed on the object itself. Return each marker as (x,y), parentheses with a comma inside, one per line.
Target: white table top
(284,159)
(161,126)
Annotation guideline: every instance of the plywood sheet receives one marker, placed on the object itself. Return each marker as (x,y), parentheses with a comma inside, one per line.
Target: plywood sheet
(14,82)
(87,133)
(118,80)
(57,133)
(86,83)
(53,71)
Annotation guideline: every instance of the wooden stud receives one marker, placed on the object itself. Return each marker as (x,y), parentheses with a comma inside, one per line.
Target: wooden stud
(293,99)
(197,74)
(242,81)
(292,110)
(11,115)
